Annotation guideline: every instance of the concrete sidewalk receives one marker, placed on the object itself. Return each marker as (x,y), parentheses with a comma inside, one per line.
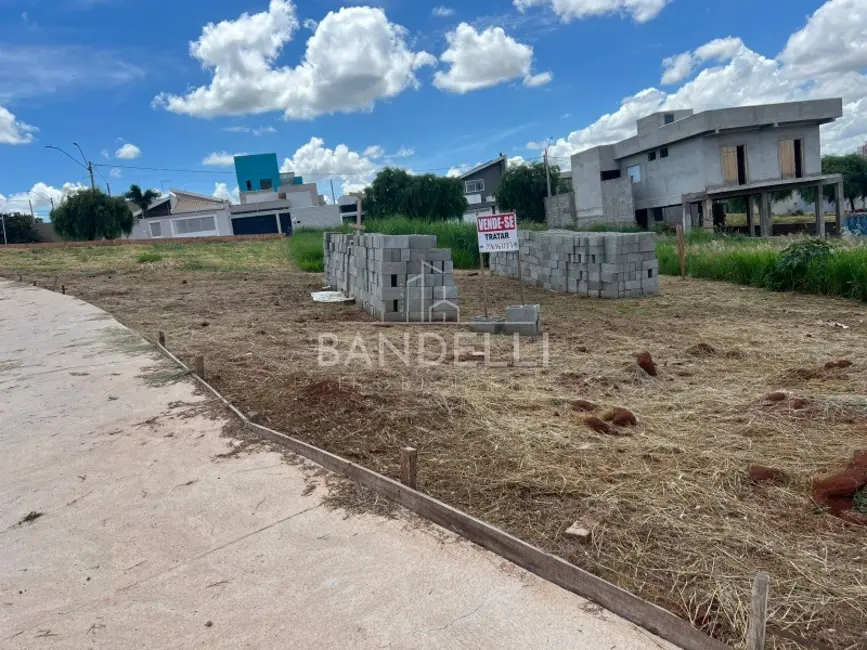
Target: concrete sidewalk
(147,538)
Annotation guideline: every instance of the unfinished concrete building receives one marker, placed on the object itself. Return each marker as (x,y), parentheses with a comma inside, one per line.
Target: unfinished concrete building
(681,162)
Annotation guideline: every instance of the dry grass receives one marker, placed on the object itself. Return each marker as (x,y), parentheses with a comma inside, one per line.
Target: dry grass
(672,513)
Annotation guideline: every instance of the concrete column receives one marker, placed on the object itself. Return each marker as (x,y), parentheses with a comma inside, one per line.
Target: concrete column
(765,218)
(687,217)
(707,213)
(820,212)
(751,214)
(839,206)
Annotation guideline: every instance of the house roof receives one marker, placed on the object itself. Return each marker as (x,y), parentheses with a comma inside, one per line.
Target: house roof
(490,163)
(137,210)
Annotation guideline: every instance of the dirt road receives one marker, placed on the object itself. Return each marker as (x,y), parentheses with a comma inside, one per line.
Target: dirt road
(124,524)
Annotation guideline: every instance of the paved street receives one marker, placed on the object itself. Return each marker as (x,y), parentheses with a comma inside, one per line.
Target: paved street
(144,537)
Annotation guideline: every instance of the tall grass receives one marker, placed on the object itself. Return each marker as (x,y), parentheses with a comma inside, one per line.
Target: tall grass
(765,264)
(306,249)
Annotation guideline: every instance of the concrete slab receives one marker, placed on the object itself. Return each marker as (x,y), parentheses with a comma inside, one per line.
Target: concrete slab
(149,538)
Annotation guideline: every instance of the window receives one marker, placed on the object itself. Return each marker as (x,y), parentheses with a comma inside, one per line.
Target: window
(610,175)
(266,184)
(156,229)
(195,226)
(658,215)
(667,118)
(472,187)
(249,186)
(663,153)
(651,155)
(634,173)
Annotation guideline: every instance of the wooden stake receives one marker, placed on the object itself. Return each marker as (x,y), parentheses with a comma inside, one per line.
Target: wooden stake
(681,251)
(521,278)
(408,466)
(484,285)
(200,366)
(758,613)
(161,337)
(63,289)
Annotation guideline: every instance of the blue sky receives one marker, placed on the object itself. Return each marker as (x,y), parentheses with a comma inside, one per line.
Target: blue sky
(338,90)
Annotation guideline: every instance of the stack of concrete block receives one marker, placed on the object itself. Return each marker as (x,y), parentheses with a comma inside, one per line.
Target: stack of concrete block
(397,278)
(599,265)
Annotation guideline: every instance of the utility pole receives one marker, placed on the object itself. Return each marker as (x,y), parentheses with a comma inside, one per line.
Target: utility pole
(30,203)
(87,164)
(3,219)
(108,187)
(333,197)
(547,171)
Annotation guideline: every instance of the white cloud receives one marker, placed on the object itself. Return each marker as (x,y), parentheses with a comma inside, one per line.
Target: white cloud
(354,58)
(221,191)
(128,152)
(680,66)
(311,24)
(640,10)
(484,59)
(373,152)
(116,172)
(41,196)
(105,154)
(13,131)
(264,130)
(317,163)
(405,152)
(516,161)
(740,76)
(221,159)
(442,12)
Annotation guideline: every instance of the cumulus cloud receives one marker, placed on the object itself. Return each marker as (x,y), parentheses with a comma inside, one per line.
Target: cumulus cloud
(41,196)
(354,58)
(373,152)
(14,131)
(405,152)
(221,192)
(641,11)
(128,152)
(731,74)
(317,163)
(116,172)
(442,12)
(484,59)
(221,159)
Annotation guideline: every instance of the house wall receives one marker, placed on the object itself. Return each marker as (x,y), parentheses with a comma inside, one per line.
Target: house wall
(255,168)
(491,176)
(617,201)
(587,167)
(142,230)
(320,216)
(664,180)
(763,152)
(560,210)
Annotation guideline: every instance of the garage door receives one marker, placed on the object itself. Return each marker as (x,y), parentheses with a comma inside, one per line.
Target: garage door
(259,225)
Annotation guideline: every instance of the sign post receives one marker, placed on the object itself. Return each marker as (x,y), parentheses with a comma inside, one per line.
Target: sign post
(498,233)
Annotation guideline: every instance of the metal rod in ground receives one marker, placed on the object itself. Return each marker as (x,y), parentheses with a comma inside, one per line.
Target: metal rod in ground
(521,278)
(200,366)
(681,251)
(758,613)
(161,337)
(63,289)
(484,282)
(409,466)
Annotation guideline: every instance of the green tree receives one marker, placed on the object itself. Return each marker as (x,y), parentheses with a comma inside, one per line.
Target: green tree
(854,169)
(523,189)
(142,199)
(90,214)
(20,228)
(396,192)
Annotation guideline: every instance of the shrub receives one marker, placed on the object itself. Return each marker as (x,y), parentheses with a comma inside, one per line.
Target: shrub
(144,258)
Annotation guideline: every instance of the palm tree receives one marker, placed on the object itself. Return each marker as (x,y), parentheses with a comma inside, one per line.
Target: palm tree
(142,199)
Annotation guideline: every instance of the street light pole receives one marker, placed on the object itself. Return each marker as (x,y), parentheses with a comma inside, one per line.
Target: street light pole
(88,166)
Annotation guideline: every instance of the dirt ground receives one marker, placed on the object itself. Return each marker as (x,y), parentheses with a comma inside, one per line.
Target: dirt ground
(672,513)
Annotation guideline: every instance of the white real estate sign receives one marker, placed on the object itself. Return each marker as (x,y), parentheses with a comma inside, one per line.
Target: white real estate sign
(498,233)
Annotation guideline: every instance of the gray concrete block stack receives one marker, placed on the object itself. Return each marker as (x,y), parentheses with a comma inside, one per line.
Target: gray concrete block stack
(396,278)
(599,265)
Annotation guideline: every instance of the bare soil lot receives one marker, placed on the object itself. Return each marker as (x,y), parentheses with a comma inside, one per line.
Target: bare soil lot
(672,512)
